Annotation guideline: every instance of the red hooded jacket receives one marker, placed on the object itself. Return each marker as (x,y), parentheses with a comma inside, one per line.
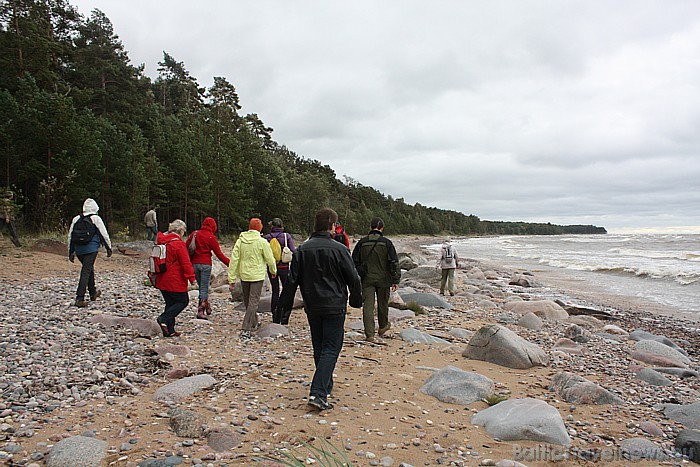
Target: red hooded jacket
(205,243)
(177,263)
(339,232)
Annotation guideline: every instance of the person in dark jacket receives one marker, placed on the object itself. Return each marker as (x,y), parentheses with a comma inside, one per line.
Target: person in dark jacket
(323,270)
(201,243)
(375,257)
(87,253)
(173,282)
(283,238)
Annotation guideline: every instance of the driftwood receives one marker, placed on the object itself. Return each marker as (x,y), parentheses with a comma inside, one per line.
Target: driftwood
(577,310)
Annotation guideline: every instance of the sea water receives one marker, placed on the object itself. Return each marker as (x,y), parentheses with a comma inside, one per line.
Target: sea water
(659,269)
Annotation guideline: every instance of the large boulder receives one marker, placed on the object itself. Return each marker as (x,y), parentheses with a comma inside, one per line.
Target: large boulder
(664,350)
(578,390)
(688,414)
(455,386)
(497,344)
(135,249)
(641,335)
(526,419)
(417,337)
(425,274)
(77,451)
(688,443)
(545,309)
(636,449)
(426,299)
(406,262)
(219,273)
(655,359)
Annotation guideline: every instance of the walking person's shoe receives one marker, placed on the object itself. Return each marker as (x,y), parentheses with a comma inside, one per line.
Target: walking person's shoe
(382,331)
(207,306)
(319,403)
(164,329)
(80,303)
(96,295)
(201,314)
(370,339)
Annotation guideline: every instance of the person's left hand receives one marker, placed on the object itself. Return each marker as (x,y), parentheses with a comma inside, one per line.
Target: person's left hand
(71,257)
(394,287)
(273,275)
(109,252)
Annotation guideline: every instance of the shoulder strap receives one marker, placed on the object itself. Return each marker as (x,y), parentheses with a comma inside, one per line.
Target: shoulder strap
(285,239)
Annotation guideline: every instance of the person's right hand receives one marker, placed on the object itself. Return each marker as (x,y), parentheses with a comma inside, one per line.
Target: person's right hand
(71,257)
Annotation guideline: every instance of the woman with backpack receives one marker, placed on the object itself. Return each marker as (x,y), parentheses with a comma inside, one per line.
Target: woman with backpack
(282,239)
(87,232)
(201,243)
(448,262)
(172,281)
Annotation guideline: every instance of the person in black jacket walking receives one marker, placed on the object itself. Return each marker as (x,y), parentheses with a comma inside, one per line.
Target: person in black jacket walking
(323,269)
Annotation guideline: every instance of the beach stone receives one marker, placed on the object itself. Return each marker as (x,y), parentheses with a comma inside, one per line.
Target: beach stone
(576,333)
(396,315)
(651,428)
(661,349)
(454,386)
(688,443)
(144,327)
(497,344)
(219,273)
(652,377)
(426,274)
(184,387)
(680,372)
(186,423)
(272,330)
(177,373)
(640,335)
(614,329)
(395,299)
(177,350)
(460,333)
(655,359)
(530,321)
(508,463)
(588,322)
(578,390)
(427,299)
(165,462)
(567,345)
(49,245)
(545,309)
(476,274)
(614,338)
(524,419)
(417,337)
(641,448)
(688,415)
(406,262)
(486,305)
(521,280)
(221,440)
(77,451)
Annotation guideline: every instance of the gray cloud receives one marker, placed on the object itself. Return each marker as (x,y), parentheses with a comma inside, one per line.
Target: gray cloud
(569,112)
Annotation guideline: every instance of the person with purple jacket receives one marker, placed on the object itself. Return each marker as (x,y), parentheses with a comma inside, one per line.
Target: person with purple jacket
(277,231)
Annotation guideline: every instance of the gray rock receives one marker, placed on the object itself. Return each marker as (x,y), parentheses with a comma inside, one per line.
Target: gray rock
(272,330)
(406,262)
(635,449)
(528,419)
(680,372)
(476,274)
(568,346)
(417,337)
(426,299)
(455,386)
(545,309)
(688,415)
(576,333)
(221,440)
(461,333)
(688,443)
(486,305)
(426,274)
(144,327)
(77,451)
(396,315)
(522,280)
(530,321)
(497,344)
(178,390)
(651,428)
(640,335)
(652,377)
(186,423)
(655,359)
(578,390)
(167,462)
(661,349)
(177,350)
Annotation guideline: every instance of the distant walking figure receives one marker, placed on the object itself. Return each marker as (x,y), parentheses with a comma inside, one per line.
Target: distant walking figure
(448,262)
(151,221)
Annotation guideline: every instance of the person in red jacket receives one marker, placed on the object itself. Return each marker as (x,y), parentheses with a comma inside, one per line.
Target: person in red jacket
(200,244)
(173,282)
(340,235)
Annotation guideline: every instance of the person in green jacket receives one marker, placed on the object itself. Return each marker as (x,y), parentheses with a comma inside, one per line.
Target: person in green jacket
(377,264)
(249,258)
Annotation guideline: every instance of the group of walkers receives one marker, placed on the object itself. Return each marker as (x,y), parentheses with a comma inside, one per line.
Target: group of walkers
(323,267)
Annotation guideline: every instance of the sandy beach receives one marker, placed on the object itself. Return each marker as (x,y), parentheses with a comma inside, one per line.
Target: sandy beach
(64,376)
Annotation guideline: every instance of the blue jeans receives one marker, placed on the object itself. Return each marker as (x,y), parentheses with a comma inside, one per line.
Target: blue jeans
(202,272)
(152,232)
(175,302)
(327,332)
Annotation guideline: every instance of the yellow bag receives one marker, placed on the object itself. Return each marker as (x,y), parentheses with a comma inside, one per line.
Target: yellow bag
(276,249)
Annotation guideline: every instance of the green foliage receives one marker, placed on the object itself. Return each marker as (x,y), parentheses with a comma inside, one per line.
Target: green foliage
(326,455)
(494,399)
(77,120)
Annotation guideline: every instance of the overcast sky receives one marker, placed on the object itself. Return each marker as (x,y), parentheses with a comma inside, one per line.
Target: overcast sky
(570,112)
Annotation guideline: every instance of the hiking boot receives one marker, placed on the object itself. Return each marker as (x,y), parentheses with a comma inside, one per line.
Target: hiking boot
(96,295)
(81,303)
(370,339)
(382,331)
(319,403)
(207,306)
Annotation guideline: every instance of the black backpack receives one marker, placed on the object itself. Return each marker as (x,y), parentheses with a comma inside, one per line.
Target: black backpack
(339,237)
(83,230)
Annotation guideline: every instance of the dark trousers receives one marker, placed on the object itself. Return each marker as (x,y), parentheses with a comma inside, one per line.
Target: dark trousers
(327,334)
(280,279)
(87,276)
(175,302)
(13,232)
